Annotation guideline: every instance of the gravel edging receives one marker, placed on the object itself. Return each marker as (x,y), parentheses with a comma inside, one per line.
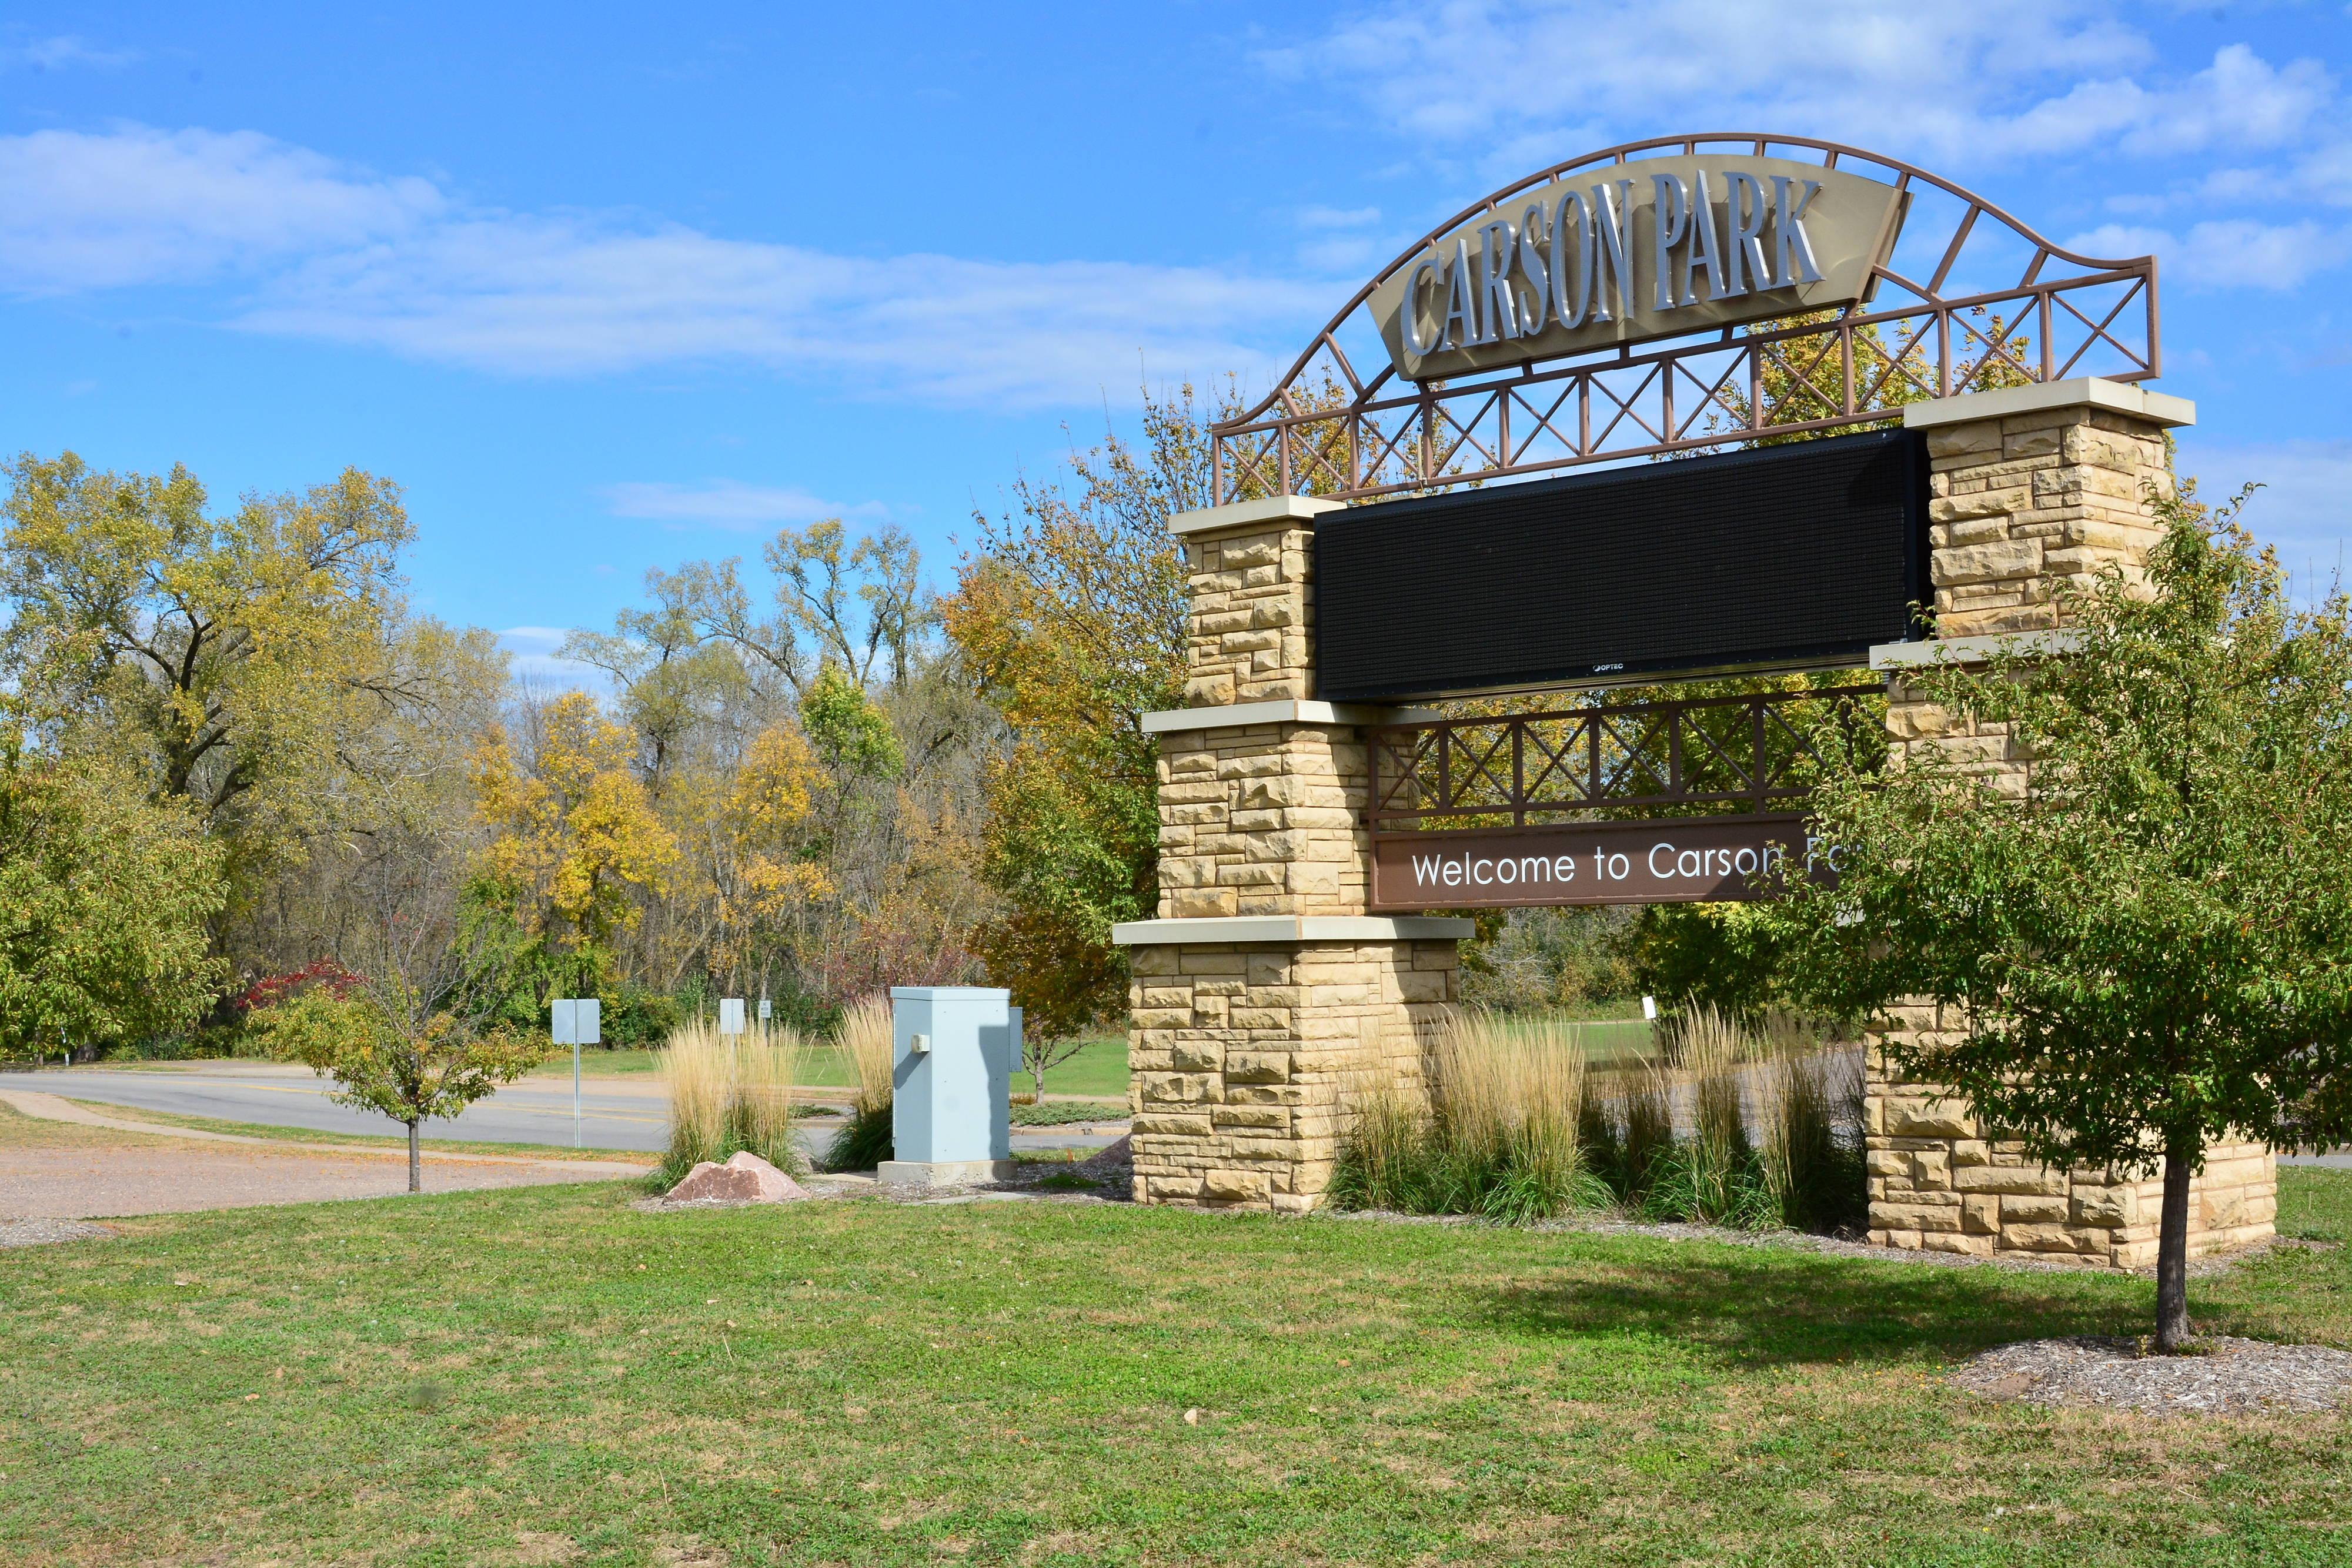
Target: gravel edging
(43,1233)
(2221,1376)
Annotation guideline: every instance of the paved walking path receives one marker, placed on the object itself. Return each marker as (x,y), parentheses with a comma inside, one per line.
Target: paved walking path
(627,1114)
(168,1170)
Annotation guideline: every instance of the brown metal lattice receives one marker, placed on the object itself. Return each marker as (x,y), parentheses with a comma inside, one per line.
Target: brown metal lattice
(2067,315)
(1738,755)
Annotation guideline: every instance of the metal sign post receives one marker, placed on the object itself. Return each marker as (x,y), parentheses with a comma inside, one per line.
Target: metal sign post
(576,1021)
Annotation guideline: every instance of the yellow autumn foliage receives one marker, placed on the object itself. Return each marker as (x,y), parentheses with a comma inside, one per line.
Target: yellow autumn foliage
(575,834)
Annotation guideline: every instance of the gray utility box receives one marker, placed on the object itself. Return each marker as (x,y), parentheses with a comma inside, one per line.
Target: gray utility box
(953,1051)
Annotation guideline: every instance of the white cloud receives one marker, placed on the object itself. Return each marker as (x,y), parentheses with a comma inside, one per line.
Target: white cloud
(1990,80)
(59,52)
(2226,253)
(333,252)
(730,504)
(138,205)
(530,653)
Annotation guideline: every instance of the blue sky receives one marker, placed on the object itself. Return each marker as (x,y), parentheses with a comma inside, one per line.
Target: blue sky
(609,288)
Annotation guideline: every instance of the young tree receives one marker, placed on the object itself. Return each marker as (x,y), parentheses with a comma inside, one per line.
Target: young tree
(104,897)
(2151,949)
(394,1048)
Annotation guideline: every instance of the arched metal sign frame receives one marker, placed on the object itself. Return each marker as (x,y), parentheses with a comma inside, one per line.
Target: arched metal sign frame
(1328,428)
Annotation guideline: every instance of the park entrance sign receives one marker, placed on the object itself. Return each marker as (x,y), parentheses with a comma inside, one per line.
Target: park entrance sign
(1631,253)
(1922,422)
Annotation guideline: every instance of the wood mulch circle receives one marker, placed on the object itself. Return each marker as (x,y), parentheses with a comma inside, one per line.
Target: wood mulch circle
(2223,1376)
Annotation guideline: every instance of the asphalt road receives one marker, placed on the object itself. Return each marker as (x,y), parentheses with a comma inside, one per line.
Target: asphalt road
(614,1114)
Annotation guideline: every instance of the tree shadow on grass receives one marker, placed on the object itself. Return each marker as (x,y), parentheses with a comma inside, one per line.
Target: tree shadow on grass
(1770,1306)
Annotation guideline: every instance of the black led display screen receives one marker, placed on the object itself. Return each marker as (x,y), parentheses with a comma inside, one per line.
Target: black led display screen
(1782,556)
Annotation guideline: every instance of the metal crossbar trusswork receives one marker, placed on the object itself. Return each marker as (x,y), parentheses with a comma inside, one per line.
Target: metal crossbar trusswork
(1702,757)
(1960,305)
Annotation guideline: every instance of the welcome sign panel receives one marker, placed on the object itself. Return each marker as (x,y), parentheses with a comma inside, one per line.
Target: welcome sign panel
(1686,861)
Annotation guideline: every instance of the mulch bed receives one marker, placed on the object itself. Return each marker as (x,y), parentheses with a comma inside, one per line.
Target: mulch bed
(41,1232)
(2224,1377)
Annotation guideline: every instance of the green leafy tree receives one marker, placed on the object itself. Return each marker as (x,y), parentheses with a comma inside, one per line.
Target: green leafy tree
(2150,950)
(104,897)
(394,1048)
(1071,618)
(1723,955)
(851,735)
(226,658)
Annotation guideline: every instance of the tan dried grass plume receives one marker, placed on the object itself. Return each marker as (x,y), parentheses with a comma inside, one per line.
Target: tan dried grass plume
(866,1039)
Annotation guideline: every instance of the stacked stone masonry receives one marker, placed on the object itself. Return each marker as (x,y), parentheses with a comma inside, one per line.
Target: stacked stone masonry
(1243,1054)
(2019,508)
(1253,615)
(1264,820)
(1936,1182)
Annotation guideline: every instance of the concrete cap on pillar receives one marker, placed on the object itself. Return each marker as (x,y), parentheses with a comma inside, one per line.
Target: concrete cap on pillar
(2084,392)
(1252,514)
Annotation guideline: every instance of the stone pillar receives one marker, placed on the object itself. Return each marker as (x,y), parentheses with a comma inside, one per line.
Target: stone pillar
(1263,988)
(2028,488)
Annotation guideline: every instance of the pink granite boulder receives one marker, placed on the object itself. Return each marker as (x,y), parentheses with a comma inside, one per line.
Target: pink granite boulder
(745,1178)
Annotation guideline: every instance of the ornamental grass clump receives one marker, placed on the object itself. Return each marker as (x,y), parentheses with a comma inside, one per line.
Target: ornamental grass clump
(1716,1176)
(865,1037)
(729,1093)
(1813,1146)
(1495,1132)
(1727,1128)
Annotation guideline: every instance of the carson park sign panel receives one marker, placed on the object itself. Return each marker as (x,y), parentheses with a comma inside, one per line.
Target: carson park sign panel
(1654,250)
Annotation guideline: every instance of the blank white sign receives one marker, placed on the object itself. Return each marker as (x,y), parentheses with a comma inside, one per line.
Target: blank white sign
(576,1020)
(731,1014)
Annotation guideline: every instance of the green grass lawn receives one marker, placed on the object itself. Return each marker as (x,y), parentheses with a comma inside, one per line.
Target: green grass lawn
(544,1376)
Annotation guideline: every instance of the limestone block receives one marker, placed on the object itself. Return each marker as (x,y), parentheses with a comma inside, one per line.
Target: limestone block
(2051,1238)
(1233,1185)
(2106,1207)
(1945,1118)
(2024,1210)
(1250,549)
(1921,1218)
(1178,1089)
(1962,505)
(1165,1124)
(1953,441)
(1196,1056)
(1980,1214)
(2014,1181)
(1969,1243)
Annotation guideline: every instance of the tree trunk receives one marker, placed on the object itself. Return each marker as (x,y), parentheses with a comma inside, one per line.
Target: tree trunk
(417,1162)
(2172,1252)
